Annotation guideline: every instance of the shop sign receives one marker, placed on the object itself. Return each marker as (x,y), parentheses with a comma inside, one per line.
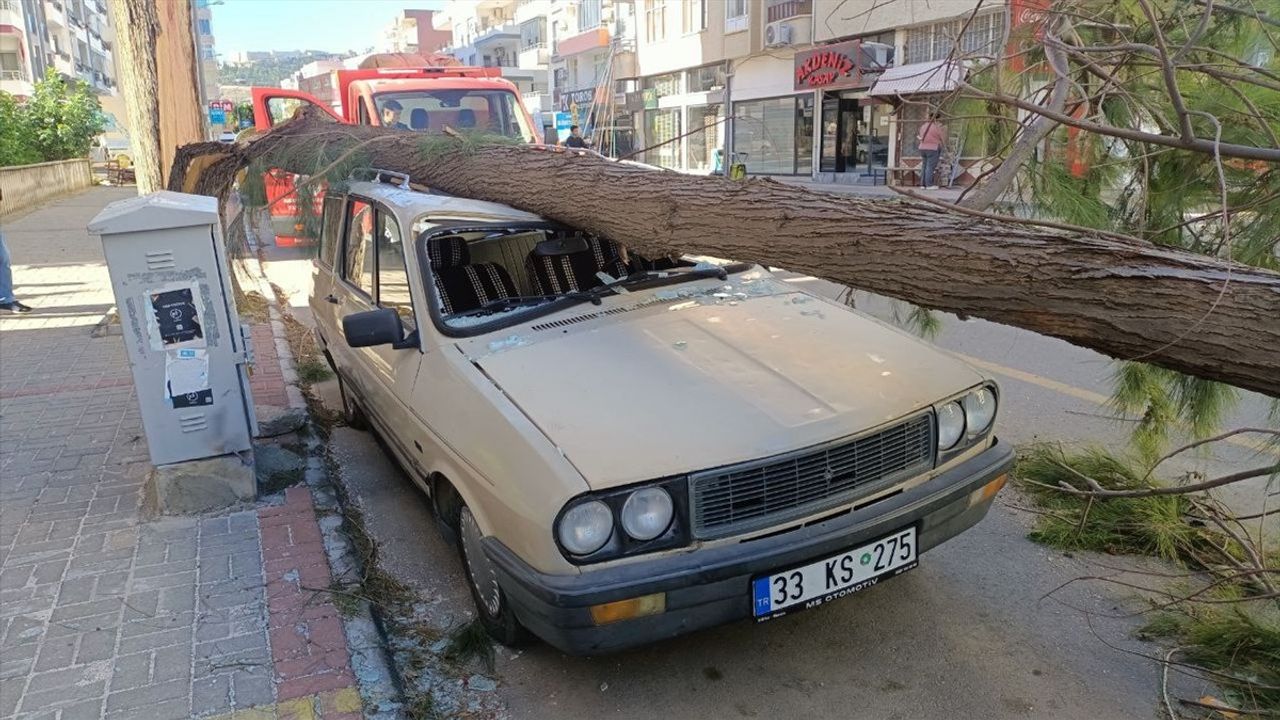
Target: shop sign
(828,67)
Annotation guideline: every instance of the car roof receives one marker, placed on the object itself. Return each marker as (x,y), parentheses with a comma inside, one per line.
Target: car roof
(381,85)
(411,203)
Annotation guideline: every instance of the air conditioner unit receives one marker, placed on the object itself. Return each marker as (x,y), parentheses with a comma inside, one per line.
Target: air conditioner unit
(877,55)
(777,34)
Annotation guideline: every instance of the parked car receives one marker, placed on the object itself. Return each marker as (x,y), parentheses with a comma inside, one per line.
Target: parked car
(626,448)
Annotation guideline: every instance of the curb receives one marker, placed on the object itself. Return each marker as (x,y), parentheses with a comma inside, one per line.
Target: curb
(370,660)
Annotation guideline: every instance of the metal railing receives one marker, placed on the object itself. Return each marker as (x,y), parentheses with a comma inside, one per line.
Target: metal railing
(8,5)
(783,9)
(13,75)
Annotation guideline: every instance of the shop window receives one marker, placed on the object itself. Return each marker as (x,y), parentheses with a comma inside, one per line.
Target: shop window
(662,127)
(663,85)
(776,135)
(704,125)
(706,78)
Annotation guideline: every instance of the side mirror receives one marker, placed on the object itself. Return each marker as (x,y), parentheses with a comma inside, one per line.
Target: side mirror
(377,327)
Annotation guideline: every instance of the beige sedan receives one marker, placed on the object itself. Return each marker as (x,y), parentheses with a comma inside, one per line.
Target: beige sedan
(628,448)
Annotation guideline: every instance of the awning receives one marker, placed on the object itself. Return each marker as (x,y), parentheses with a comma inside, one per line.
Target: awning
(919,79)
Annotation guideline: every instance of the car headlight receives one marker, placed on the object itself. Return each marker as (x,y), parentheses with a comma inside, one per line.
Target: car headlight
(950,425)
(647,513)
(586,527)
(979,409)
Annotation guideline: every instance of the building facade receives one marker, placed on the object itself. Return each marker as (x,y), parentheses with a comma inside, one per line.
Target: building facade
(830,90)
(416,31)
(71,37)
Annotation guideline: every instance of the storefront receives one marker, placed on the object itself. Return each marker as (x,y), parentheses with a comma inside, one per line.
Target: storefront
(853,128)
(773,121)
(683,118)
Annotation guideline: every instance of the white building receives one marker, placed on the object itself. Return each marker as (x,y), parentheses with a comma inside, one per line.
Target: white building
(72,37)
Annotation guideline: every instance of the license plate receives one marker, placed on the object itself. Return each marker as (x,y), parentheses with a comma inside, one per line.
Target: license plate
(834,577)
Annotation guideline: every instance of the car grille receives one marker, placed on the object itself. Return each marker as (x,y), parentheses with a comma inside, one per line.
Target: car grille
(761,493)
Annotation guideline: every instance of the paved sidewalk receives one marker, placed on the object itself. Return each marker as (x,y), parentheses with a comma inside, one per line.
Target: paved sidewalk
(102,613)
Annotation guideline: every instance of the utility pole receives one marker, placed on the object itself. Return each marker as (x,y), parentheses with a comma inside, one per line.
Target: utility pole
(157,66)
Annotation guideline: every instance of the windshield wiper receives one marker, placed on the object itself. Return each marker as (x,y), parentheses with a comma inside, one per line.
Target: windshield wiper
(508,302)
(679,273)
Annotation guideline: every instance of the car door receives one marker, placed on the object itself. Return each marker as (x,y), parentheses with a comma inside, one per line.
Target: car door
(373,275)
(326,268)
(272,106)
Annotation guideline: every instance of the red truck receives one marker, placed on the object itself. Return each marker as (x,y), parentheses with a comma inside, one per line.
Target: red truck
(424,99)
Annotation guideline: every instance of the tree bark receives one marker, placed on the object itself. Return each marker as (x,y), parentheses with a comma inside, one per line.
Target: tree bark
(137,28)
(1122,297)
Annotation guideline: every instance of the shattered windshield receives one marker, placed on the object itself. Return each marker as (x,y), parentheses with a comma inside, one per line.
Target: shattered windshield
(463,110)
(484,274)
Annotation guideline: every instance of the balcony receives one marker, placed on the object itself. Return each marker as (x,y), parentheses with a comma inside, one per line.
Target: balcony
(776,10)
(505,31)
(597,37)
(15,82)
(53,13)
(534,56)
(11,12)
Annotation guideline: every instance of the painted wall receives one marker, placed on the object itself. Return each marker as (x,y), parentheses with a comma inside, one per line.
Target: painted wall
(25,186)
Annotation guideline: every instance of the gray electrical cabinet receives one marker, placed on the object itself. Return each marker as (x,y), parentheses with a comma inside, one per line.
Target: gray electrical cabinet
(187,348)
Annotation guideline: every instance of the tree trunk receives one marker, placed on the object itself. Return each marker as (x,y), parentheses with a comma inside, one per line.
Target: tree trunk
(156,62)
(137,28)
(1122,297)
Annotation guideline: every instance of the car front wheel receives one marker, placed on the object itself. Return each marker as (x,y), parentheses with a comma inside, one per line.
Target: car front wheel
(482,577)
(352,415)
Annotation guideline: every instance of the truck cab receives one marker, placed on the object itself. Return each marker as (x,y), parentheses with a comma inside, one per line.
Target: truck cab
(427,99)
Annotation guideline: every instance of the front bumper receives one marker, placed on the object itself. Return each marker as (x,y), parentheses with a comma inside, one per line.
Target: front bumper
(711,586)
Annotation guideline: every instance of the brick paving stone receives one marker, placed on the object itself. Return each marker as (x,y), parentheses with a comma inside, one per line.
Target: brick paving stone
(104,614)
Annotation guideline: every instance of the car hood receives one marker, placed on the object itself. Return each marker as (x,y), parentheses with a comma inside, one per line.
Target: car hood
(676,387)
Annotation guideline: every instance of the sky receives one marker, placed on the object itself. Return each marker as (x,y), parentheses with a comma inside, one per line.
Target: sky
(331,25)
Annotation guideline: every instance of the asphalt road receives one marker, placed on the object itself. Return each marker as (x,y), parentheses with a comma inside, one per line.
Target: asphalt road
(969,634)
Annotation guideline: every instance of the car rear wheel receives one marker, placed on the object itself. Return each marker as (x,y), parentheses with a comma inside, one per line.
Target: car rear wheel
(482,577)
(352,415)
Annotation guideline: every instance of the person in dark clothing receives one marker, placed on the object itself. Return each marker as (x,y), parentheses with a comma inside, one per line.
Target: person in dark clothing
(391,115)
(575,139)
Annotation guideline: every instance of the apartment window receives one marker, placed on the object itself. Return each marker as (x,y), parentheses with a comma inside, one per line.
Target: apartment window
(663,85)
(655,20)
(533,33)
(983,38)
(735,15)
(203,26)
(588,15)
(694,15)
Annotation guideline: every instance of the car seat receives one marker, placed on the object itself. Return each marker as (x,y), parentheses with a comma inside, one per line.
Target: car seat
(558,266)
(418,119)
(463,286)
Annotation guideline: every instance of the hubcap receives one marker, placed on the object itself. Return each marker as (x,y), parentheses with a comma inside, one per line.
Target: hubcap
(483,575)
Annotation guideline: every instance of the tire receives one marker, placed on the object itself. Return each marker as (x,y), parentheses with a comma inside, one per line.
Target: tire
(491,603)
(352,415)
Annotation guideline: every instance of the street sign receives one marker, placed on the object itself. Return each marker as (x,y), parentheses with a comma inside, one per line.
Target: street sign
(217,116)
(228,106)
(563,122)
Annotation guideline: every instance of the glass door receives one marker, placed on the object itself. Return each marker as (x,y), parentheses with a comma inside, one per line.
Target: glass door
(828,160)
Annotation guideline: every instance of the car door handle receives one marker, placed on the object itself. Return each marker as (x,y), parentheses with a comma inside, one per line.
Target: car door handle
(333,299)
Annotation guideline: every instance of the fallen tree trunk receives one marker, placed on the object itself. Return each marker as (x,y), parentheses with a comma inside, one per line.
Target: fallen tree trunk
(1119,296)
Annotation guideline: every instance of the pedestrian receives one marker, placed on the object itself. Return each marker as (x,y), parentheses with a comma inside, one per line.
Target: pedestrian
(8,303)
(391,110)
(930,139)
(575,139)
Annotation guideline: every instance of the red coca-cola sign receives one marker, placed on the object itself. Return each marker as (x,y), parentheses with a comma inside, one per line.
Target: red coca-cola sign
(828,67)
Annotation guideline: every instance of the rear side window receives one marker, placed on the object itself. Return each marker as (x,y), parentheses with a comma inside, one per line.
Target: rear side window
(331,233)
(360,256)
